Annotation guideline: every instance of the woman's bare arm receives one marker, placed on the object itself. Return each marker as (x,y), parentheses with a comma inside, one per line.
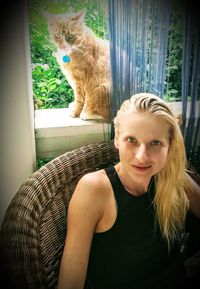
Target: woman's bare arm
(194,197)
(85,210)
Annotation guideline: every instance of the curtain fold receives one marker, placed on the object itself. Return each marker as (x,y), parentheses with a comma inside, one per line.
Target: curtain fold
(141,37)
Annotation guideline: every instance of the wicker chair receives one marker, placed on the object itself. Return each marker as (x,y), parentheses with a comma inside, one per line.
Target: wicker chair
(34,227)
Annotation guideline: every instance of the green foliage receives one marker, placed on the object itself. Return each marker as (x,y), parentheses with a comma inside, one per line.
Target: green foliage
(50,87)
(42,162)
(174,57)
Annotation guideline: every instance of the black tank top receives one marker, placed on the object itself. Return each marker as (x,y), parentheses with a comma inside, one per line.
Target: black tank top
(132,253)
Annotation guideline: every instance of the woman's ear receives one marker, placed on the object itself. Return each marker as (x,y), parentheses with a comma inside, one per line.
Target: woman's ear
(116,141)
(179,119)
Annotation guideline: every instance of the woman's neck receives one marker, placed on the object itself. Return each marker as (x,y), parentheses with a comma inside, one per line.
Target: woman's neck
(135,186)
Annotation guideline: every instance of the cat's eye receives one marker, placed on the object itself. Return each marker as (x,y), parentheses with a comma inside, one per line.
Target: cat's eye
(69,38)
(58,35)
(131,139)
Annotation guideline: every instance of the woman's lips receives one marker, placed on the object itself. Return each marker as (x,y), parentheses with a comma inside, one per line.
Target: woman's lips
(142,168)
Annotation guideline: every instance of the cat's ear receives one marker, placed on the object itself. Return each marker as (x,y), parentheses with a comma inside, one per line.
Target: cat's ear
(79,16)
(51,19)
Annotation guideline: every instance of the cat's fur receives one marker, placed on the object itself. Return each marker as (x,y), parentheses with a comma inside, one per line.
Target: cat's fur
(88,71)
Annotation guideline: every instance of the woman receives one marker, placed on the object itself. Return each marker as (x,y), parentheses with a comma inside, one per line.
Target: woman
(125,222)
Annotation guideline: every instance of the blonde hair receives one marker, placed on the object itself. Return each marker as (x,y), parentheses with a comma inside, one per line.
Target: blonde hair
(170,201)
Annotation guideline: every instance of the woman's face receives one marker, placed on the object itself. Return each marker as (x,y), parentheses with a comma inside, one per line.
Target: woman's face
(143,143)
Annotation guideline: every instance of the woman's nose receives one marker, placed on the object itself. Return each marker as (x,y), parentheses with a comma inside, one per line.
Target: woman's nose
(141,154)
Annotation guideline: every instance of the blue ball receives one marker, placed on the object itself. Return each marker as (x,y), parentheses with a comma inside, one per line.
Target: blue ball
(66,58)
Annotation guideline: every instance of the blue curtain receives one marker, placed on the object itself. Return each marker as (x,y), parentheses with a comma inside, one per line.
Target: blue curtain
(191,84)
(140,37)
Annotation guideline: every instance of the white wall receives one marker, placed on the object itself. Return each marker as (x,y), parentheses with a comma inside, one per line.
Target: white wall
(17,157)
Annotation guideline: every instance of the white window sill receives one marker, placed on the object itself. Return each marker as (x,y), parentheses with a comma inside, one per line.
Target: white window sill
(57,132)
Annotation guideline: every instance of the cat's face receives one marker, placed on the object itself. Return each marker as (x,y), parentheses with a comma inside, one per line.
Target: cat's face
(66,30)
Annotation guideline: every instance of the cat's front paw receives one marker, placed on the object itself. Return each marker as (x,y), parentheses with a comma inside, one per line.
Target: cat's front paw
(72,114)
(72,109)
(85,116)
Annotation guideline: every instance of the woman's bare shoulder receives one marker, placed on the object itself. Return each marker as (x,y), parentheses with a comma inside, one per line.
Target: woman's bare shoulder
(95,178)
(92,189)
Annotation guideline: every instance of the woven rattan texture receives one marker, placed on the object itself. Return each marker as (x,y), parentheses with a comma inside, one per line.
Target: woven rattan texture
(34,227)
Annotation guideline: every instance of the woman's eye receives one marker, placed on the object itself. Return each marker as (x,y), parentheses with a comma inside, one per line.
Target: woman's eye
(132,139)
(155,143)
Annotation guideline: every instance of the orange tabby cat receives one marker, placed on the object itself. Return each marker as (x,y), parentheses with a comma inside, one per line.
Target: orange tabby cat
(87,67)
